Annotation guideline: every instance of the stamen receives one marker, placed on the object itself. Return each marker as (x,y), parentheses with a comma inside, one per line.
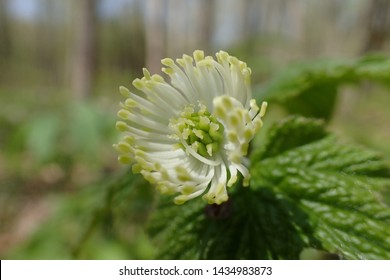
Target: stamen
(191,136)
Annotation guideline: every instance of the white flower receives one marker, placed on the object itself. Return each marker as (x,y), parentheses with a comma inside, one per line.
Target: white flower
(191,136)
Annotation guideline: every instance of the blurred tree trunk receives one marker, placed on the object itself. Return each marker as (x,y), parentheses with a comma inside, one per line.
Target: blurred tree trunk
(253,17)
(127,39)
(5,35)
(48,44)
(230,22)
(205,25)
(155,34)
(294,28)
(189,26)
(378,25)
(84,47)
(177,23)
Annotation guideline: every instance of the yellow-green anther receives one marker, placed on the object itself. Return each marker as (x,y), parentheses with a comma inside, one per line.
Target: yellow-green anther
(182,174)
(124,114)
(129,139)
(131,103)
(187,189)
(136,168)
(124,159)
(123,147)
(124,91)
(138,84)
(121,126)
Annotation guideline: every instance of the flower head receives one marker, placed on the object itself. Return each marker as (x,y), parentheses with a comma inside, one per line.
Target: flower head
(191,136)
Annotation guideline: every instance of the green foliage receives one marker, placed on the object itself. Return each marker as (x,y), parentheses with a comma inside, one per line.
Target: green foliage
(307,190)
(87,130)
(110,214)
(42,136)
(75,133)
(292,132)
(311,89)
(253,225)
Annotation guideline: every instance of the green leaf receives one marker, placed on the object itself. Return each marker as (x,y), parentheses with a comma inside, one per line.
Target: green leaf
(335,185)
(311,89)
(317,101)
(173,228)
(308,190)
(254,224)
(42,136)
(290,133)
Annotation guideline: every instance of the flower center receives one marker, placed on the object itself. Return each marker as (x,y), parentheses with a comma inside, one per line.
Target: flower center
(198,130)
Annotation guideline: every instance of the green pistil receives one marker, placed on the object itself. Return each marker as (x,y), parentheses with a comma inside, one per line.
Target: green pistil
(200,130)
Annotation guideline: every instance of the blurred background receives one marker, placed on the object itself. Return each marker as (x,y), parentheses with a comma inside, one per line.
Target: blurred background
(61,63)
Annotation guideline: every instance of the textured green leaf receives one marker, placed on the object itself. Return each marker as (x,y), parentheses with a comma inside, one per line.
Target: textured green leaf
(290,133)
(174,229)
(335,184)
(247,227)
